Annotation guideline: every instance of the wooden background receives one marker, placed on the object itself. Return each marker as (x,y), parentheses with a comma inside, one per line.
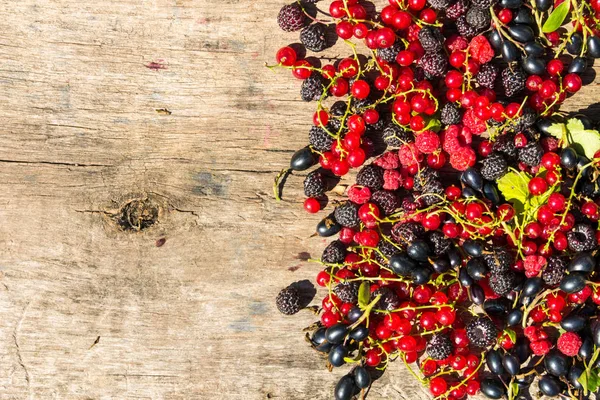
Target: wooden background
(109,109)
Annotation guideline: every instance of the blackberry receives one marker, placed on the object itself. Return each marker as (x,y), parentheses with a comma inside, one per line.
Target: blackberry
(314,184)
(389,54)
(432,192)
(288,301)
(513,80)
(423,177)
(434,64)
(451,114)
(440,346)
(582,238)
(386,201)
(389,299)
(409,204)
(312,87)
(464,28)
(370,176)
(528,119)
(483,3)
(431,39)
(313,37)
(334,253)
(531,154)
(387,250)
(506,144)
(359,105)
(404,233)
(346,214)
(554,271)
(502,282)
(499,261)
(479,18)
(291,18)
(395,136)
(457,9)
(319,139)
(494,167)
(439,4)
(441,244)
(347,291)
(487,75)
(482,332)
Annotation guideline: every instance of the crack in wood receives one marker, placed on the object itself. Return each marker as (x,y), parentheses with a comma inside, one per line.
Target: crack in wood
(67,164)
(15,336)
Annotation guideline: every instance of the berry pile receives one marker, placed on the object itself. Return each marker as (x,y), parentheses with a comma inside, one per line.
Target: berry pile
(467,245)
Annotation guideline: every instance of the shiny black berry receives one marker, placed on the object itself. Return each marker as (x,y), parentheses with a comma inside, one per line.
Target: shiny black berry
(493,360)
(362,378)
(573,282)
(568,158)
(575,44)
(344,390)
(578,66)
(534,65)
(472,178)
(402,265)
(476,269)
(359,333)
(521,32)
(556,363)
(303,159)
(514,318)
(593,49)
(464,278)
(492,388)
(336,333)
(549,386)
(511,364)
(583,262)
(474,248)
(419,250)
(532,286)
(337,354)
(477,294)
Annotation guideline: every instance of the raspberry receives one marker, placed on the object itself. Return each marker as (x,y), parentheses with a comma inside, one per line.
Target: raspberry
(312,87)
(487,75)
(359,194)
(513,81)
(464,28)
(540,348)
(347,291)
(503,282)
(409,154)
(439,347)
(549,144)
(346,214)
(388,160)
(389,54)
(554,271)
(427,142)
(334,253)
(494,167)
(463,158)
(481,50)
(531,333)
(472,121)
(456,42)
(395,136)
(569,343)
(482,332)
(531,154)
(455,137)
(431,39)
(533,265)
(582,238)
(392,179)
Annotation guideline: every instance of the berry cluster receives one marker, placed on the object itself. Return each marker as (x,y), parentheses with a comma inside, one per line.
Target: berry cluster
(466,246)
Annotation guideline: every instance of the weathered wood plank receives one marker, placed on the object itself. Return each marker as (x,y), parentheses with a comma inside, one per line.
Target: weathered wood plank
(94,312)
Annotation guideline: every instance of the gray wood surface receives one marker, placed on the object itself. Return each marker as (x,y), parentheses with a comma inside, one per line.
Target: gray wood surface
(156,111)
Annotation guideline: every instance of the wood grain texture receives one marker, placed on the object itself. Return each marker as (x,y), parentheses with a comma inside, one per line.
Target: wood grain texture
(163,105)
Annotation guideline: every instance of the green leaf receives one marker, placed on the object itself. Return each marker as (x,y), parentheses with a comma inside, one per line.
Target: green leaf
(433,124)
(584,141)
(364,294)
(583,380)
(513,187)
(558,130)
(557,17)
(511,334)
(593,380)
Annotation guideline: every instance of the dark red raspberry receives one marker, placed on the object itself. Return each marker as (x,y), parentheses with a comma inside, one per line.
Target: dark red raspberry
(359,194)
(427,142)
(388,160)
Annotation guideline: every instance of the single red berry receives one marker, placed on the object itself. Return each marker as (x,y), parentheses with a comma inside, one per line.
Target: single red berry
(472,387)
(372,358)
(572,83)
(429,367)
(537,186)
(438,386)
(505,15)
(286,56)
(312,205)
